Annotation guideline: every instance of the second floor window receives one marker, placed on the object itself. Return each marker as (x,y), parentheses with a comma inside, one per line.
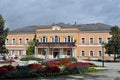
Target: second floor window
(13,41)
(43,39)
(68,39)
(20,41)
(108,39)
(100,40)
(91,40)
(7,41)
(56,39)
(83,40)
(27,41)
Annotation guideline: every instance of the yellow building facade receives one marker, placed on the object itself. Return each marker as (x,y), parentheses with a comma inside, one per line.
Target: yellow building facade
(64,40)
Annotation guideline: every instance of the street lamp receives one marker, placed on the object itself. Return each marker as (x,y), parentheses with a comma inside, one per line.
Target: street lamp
(102,54)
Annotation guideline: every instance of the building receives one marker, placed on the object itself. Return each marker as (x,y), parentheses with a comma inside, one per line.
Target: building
(61,40)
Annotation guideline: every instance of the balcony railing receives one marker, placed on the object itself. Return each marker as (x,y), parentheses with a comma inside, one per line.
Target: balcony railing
(55,44)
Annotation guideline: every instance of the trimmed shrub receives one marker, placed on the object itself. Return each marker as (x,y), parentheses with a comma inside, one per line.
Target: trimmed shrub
(30,58)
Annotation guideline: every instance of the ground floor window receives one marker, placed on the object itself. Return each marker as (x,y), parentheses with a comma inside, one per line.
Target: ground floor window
(91,53)
(44,52)
(68,52)
(83,53)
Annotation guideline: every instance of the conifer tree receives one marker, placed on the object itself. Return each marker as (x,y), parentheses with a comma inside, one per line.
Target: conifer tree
(3,35)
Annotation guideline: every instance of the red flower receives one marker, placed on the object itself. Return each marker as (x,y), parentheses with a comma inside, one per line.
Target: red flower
(3,71)
(34,66)
(9,67)
(54,69)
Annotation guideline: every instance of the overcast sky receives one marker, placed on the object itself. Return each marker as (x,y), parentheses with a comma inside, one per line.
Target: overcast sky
(21,13)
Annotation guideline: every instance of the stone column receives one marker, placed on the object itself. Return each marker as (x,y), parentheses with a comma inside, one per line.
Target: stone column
(74,52)
(36,52)
(61,53)
(47,53)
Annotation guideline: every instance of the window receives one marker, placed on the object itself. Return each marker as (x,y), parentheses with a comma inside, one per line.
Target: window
(83,53)
(100,53)
(109,55)
(91,40)
(19,52)
(7,41)
(68,52)
(91,53)
(20,41)
(13,52)
(100,40)
(83,40)
(68,39)
(108,39)
(27,41)
(43,52)
(43,39)
(13,41)
(56,39)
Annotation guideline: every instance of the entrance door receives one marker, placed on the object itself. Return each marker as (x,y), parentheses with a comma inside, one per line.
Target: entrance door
(56,53)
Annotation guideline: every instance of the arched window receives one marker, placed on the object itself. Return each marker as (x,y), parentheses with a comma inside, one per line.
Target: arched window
(43,39)
(100,40)
(68,39)
(20,41)
(56,39)
(27,41)
(83,53)
(7,41)
(100,53)
(91,40)
(91,53)
(13,41)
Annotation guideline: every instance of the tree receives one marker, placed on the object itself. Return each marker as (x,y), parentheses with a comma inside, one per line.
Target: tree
(3,35)
(30,49)
(113,46)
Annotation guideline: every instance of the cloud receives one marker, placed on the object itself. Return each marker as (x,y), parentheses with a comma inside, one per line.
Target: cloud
(21,13)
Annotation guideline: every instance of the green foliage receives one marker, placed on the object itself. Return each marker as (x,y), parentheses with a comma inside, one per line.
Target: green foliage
(27,58)
(3,35)
(113,46)
(71,59)
(30,49)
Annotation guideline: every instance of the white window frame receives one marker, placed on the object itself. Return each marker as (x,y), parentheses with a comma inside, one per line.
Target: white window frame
(27,41)
(13,52)
(99,53)
(92,40)
(43,37)
(7,41)
(20,41)
(90,53)
(19,52)
(13,41)
(82,40)
(82,53)
(100,42)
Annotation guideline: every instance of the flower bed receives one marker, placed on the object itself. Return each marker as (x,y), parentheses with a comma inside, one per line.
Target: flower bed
(47,69)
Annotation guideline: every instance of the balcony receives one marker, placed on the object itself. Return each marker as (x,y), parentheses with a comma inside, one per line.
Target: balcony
(55,44)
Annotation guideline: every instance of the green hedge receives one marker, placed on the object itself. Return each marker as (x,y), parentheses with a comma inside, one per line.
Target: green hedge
(27,58)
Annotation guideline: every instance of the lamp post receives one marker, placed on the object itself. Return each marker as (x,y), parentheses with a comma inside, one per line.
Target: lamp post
(102,54)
